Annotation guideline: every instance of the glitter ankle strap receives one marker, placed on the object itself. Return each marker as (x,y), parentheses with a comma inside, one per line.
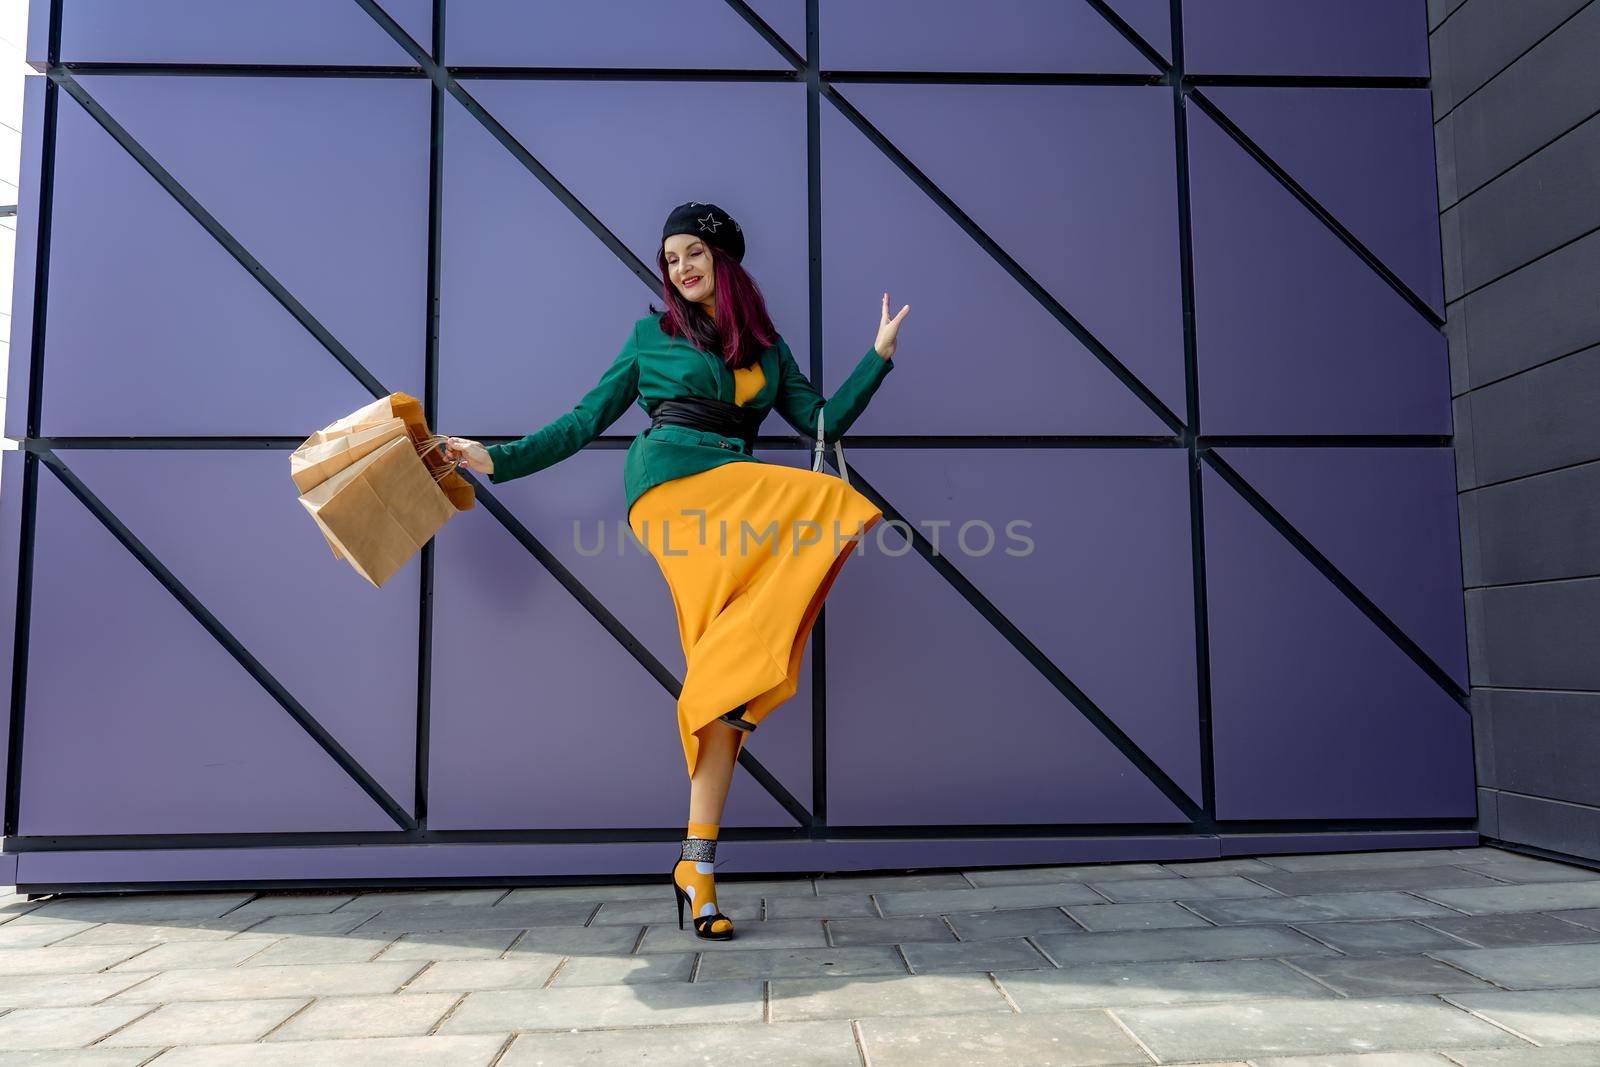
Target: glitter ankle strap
(698,849)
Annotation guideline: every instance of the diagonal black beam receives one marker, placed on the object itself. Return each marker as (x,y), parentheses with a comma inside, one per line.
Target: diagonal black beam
(1036,657)
(228,641)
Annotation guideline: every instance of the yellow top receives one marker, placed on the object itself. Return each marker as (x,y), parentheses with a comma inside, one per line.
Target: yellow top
(747,382)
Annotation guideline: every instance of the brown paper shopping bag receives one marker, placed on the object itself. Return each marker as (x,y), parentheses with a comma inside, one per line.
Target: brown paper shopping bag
(376,500)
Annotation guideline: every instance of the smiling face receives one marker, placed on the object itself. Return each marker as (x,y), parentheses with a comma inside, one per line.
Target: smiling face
(689,267)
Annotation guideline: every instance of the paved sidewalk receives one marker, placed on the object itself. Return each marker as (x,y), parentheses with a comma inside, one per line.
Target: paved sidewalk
(1476,957)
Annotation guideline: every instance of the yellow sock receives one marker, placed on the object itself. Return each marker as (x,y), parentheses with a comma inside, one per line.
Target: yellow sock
(694,877)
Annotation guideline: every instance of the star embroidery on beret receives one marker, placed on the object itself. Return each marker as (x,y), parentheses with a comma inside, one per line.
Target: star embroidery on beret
(712,219)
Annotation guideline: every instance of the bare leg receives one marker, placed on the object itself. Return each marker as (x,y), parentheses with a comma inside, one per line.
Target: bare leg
(708,789)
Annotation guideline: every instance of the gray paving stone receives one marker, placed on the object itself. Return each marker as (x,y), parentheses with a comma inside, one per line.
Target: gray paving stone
(863,998)
(999,954)
(1087,872)
(573,940)
(1198,888)
(1554,1016)
(1109,985)
(64,960)
(1322,906)
(473,1051)
(290,904)
(1561,1056)
(1301,883)
(406,899)
(138,907)
(416,920)
(46,1028)
(332,924)
(852,962)
(1524,869)
(977,925)
(749,888)
(889,931)
(1351,861)
(857,884)
(178,955)
(209,1022)
(810,1044)
(309,980)
(461,976)
(778,933)
(452,945)
(1377,937)
(1207,868)
(1544,896)
(1359,1059)
(1208,943)
(660,912)
(352,949)
(42,934)
(83,1057)
(1069,1039)
(1586,917)
(1293,1026)
(597,1007)
(1152,915)
(833,906)
(396,1015)
(1368,976)
(63,990)
(155,934)
(1539,967)
(625,970)
(594,894)
(1511,930)
(937,901)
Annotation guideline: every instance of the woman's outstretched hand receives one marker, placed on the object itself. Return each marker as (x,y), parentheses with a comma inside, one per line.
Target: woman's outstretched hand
(465,451)
(889,329)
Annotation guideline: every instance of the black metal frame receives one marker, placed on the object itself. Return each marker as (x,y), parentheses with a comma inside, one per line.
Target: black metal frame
(1200,818)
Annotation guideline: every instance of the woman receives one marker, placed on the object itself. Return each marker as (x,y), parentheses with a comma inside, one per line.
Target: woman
(749,549)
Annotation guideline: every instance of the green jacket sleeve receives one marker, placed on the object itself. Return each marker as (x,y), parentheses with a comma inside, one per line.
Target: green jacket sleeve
(565,436)
(798,400)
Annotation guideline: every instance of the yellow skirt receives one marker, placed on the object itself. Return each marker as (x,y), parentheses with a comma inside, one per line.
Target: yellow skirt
(749,551)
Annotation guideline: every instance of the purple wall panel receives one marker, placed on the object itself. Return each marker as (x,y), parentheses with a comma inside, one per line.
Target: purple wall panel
(788,17)
(933,717)
(1296,335)
(1387,519)
(511,250)
(1373,37)
(618,33)
(25,265)
(1002,35)
(1315,714)
(1104,589)
(325,181)
(11,462)
(1150,19)
(346,651)
(239,31)
(540,719)
(125,327)
(164,732)
(870,209)
(1364,154)
(1114,208)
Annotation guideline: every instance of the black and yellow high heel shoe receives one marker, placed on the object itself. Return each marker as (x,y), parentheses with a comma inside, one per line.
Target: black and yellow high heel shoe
(699,854)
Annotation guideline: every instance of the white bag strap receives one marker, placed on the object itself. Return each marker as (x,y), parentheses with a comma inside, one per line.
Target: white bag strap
(838,452)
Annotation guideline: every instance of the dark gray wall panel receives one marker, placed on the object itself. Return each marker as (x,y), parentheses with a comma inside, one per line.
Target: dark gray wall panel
(1553,824)
(1535,529)
(1540,204)
(1539,419)
(1546,309)
(1551,89)
(1484,37)
(1545,743)
(1542,636)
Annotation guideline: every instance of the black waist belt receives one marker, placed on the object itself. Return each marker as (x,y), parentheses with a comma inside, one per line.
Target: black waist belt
(704,413)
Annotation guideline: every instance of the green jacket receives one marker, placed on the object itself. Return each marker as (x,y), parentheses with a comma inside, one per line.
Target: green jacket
(652,367)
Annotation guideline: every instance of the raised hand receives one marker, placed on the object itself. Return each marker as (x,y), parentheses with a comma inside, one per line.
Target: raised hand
(889,329)
(463,451)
